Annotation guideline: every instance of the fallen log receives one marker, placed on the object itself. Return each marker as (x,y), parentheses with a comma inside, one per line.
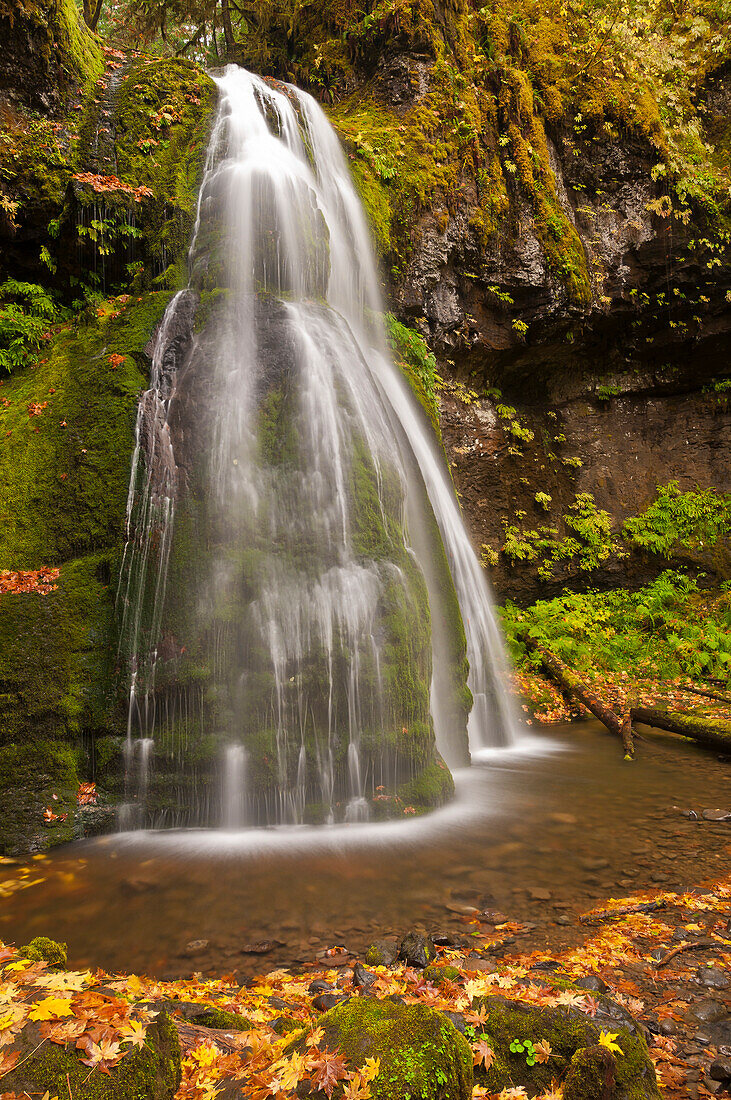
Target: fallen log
(600,916)
(714,732)
(724,698)
(576,688)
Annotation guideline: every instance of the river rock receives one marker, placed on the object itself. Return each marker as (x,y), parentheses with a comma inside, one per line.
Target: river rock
(362,978)
(381,953)
(417,950)
(593,983)
(319,986)
(567,1030)
(712,977)
(720,1069)
(716,815)
(325,1001)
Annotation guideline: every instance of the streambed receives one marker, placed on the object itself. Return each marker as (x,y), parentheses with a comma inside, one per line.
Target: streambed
(540,834)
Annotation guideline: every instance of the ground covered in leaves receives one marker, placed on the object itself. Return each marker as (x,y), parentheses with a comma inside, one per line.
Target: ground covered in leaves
(653,966)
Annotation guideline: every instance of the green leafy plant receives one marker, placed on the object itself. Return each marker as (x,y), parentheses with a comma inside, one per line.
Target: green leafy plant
(692,520)
(26,310)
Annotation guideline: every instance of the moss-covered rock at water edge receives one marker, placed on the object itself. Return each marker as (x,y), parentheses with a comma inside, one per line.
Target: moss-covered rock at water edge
(149,1072)
(421,1053)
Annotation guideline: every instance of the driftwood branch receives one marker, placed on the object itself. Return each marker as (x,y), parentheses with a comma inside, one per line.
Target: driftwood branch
(603,915)
(698,945)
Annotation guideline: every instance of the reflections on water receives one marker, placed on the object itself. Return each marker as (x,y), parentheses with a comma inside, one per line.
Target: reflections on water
(577,822)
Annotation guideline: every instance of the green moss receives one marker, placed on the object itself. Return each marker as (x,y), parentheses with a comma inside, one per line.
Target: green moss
(209,1016)
(432,787)
(566,1030)
(163,117)
(421,1053)
(63,489)
(41,949)
(418,365)
(441,974)
(33,777)
(149,1072)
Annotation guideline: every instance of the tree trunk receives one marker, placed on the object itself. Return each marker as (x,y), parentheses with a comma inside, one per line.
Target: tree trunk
(228,32)
(714,732)
(575,687)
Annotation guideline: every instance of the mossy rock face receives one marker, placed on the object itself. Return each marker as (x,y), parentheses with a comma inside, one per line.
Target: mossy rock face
(47,51)
(30,775)
(150,1072)
(567,1031)
(422,1055)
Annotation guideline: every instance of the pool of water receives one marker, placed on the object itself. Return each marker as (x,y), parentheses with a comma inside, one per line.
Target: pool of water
(540,834)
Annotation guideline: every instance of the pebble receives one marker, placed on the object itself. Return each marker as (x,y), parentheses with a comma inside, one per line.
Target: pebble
(708,1011)
(712,978)
(720,1069)
(539,893)
(716,815)
(196,947)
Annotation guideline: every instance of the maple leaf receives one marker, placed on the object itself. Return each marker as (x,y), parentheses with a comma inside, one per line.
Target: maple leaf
(554,1093)
(542,1051)
(482,1054)
(50,1008)
(134,1032)
(568,998)
(518,1093)
(606,1038)
(69,981)
(590,1006)
(62,1033)
(291,1071)
(370,1069)
(7,1061)
(314,1037)
(102,1055)
(328,1070)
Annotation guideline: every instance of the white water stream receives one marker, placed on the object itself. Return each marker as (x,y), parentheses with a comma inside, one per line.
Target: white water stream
(278,203)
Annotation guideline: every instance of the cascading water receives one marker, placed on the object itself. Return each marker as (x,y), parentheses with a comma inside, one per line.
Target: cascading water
(274,586)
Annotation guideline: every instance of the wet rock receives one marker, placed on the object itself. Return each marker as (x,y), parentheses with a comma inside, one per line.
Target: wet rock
(494,916)
(708,1011)
(567,1031)
(416,950)
(319,986)
(690,814)
(589,864)
(539,893)
(484,966)
(548,965)
(381,953)
(196,947)
(325,1001)
(720,1069)
(446,939)
(362,978)
(712,977)
(593,983)
(592,1072)
(457,1019)
(263,947)
(716,815)
(667,1027)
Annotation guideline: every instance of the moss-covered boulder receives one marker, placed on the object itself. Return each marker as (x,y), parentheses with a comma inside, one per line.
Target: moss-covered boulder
(592,1075)
(148,1072)
(566,1030)
(421,1053)
(46,950)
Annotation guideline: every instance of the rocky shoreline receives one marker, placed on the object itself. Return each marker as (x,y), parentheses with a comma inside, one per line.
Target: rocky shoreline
(642,1004)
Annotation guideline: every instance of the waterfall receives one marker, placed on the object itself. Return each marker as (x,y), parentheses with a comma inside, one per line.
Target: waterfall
(278,574)
(234,787)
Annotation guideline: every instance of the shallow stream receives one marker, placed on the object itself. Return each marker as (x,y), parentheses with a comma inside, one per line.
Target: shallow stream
(540,834)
